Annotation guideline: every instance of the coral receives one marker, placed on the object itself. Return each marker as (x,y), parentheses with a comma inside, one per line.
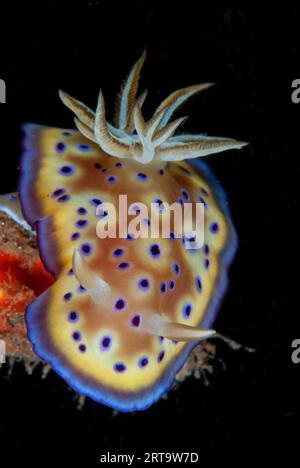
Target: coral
(22,278)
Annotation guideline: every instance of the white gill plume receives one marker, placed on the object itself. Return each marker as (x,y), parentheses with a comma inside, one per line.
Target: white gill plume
(133,138)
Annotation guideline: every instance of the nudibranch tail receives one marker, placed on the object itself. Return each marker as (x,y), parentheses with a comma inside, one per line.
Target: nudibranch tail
(133,138)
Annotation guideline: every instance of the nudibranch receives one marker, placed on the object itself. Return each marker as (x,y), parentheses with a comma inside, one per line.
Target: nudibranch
(124,313)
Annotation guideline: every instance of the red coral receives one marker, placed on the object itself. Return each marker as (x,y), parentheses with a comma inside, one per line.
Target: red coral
(22,278)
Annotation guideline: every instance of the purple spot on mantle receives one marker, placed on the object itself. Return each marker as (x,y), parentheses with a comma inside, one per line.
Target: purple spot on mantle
(120,304)
(68,296)
(119,367)
(143,362)
(82,348)
(60,147)
(198,284)
(106,343)
(64,198)
(135,321)
(66,170)
(86,249)
(214,228)
(111,179)
(75,236)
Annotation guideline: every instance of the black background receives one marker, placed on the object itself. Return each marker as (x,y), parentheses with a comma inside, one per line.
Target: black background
(253,54)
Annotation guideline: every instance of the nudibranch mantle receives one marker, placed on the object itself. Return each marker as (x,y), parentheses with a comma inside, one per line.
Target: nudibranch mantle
(123,313)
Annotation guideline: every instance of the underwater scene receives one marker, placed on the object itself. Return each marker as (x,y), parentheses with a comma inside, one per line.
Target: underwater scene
(148,228)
